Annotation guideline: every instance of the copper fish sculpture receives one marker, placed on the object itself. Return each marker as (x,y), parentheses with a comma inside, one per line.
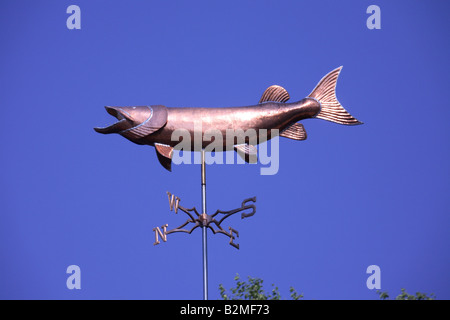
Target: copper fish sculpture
(155,125)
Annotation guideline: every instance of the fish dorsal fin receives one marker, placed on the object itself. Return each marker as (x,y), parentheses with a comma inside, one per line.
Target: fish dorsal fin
(295,131)
(164,153)
(275,93)
(247,152)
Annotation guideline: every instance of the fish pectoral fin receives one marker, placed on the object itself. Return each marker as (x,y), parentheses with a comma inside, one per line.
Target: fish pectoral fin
(164,153)
(247,152)
(295,131)
(275,93)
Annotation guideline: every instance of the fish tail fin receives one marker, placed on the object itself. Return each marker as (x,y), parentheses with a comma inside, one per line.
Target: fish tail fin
(331,109)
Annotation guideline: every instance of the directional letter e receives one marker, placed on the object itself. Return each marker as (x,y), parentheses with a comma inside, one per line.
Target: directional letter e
(74,280)
(374,281)
(74,21)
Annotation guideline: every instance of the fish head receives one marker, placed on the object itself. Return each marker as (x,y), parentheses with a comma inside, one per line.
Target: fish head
(136,123)
(128,118)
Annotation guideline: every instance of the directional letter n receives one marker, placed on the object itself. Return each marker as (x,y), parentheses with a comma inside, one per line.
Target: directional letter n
(162,234)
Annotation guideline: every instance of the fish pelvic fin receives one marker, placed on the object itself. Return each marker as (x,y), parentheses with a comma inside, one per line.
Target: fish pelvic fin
(331,109)
(164,153)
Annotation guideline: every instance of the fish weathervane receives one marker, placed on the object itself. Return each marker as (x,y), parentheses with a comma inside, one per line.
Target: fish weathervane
(155,125)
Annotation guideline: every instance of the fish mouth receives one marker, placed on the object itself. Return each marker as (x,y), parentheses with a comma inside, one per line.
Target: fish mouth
(124,122)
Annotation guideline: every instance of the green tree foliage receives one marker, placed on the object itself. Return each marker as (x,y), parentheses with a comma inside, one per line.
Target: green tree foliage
(253,290)
(406,296)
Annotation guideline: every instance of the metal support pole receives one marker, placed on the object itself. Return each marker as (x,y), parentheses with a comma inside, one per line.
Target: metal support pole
(204,231)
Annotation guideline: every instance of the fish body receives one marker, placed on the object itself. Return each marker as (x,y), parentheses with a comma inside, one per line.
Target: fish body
(239,128)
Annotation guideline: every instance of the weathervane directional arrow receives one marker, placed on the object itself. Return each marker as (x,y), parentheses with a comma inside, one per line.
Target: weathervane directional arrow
(205,220)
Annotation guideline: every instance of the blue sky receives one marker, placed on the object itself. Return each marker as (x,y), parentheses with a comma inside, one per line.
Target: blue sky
(344,199)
